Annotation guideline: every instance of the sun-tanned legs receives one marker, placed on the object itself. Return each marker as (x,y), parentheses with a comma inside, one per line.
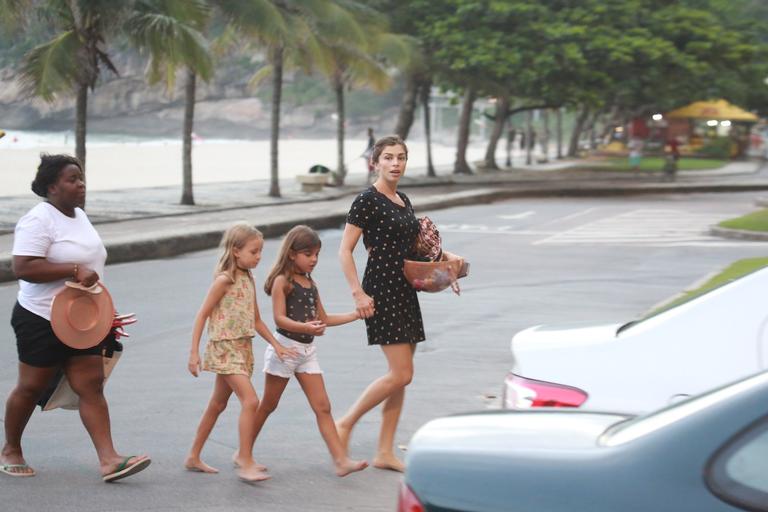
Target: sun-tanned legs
(390,389)
(225,385)
(21,403)
(86,378)
(314,388)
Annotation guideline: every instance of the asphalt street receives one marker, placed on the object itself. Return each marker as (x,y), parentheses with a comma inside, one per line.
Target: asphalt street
(541,260)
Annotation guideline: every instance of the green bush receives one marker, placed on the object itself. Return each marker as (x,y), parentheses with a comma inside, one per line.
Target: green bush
(716,148)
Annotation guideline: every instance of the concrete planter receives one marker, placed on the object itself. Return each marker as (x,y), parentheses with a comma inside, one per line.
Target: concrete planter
(312,182)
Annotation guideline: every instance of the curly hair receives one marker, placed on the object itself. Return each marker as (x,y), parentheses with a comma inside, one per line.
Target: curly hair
(49,170)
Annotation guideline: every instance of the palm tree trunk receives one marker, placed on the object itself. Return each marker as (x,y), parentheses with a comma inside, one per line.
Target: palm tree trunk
(461,166)
(187,195)
(545,135)
(407,107)
(81,115)
(425,92)
(529,137)
(341,171)
(274,137)
(578,127)
(502,109)
(559,112)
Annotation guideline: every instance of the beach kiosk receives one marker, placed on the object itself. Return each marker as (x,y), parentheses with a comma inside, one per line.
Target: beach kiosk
(711,124)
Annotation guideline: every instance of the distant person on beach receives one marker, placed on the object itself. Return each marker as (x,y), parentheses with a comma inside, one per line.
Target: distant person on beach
(369,150)
(233,319)
(635,153)
(55,242)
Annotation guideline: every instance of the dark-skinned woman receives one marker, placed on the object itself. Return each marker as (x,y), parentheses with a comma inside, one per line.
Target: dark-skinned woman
(53,243)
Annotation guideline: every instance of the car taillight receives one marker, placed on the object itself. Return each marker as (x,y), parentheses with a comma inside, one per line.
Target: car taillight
(522,393)
(407,500)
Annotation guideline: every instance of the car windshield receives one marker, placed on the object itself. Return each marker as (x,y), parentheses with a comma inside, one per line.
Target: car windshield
(628,431)
(682,299)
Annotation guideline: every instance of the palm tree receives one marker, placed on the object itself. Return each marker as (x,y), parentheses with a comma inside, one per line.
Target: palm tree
(290,44)
(360,56)
(171,32)
(73,59)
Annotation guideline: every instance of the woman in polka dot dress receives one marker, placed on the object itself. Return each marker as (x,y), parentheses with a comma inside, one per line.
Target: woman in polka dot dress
(385,219)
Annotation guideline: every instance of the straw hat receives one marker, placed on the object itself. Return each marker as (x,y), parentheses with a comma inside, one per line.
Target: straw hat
(82,317)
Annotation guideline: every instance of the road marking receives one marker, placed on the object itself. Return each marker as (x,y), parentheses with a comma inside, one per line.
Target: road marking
(658,227)
(571,216)
(516,216)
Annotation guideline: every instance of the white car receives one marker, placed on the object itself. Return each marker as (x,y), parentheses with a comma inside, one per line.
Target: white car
(640,366)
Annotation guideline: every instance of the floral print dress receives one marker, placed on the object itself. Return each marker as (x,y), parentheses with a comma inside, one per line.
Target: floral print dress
(231,328)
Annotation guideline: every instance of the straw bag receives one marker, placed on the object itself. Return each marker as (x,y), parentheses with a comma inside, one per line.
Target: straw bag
(432,272)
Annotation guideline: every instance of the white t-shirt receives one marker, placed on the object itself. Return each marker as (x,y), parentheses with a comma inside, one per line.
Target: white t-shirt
(46,232)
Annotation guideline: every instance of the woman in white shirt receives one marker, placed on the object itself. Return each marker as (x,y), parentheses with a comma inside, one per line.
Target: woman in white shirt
(53,243)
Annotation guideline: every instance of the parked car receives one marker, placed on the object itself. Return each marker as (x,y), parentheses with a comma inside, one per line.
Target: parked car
(640,366)
(708,453)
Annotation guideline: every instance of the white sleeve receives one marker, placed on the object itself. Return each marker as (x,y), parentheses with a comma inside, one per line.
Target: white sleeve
(31,237)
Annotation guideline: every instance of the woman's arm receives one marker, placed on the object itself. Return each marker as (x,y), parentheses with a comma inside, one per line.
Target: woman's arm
(279,287)
(217,290)
(363,303)
(37,269)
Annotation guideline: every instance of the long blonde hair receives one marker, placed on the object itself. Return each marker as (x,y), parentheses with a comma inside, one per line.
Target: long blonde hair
(235,237)
(299,238)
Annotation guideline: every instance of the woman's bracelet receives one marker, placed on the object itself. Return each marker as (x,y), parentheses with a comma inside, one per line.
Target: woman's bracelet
(74,272)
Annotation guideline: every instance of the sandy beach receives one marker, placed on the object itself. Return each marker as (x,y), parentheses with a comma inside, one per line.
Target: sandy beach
(115,165)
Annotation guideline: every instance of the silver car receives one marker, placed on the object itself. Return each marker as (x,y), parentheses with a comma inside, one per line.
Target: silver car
(704,454)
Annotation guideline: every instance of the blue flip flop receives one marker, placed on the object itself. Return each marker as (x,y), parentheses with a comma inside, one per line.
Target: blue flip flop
(124,469)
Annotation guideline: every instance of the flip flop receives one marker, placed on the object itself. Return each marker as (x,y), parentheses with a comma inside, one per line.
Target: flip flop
(124,469)
(8,469)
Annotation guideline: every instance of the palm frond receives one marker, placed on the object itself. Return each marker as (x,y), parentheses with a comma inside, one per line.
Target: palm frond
(52,67)
(171,42)
(258,18)
(262,74)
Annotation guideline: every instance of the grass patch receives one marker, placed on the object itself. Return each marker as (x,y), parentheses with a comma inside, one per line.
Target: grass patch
(654,163)
(734,271)
(755,221)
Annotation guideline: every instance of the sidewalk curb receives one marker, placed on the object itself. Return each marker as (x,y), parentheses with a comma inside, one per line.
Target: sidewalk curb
(168,246)
(739,234)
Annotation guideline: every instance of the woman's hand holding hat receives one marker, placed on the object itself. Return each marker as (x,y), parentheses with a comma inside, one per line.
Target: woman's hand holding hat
(85,276)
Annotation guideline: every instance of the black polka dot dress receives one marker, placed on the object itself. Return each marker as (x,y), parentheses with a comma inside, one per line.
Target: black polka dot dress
(388,233)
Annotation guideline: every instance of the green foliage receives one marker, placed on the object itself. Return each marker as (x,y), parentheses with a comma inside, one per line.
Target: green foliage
(719,147)
(755,221)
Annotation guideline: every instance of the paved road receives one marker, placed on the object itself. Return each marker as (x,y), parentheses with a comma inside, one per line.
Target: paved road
(533,261)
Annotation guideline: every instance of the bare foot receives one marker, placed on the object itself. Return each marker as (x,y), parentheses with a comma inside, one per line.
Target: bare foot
(196,464)
(252,474)
(236,462)
(348,466)
(344,434)
(13,464)
(389,462)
